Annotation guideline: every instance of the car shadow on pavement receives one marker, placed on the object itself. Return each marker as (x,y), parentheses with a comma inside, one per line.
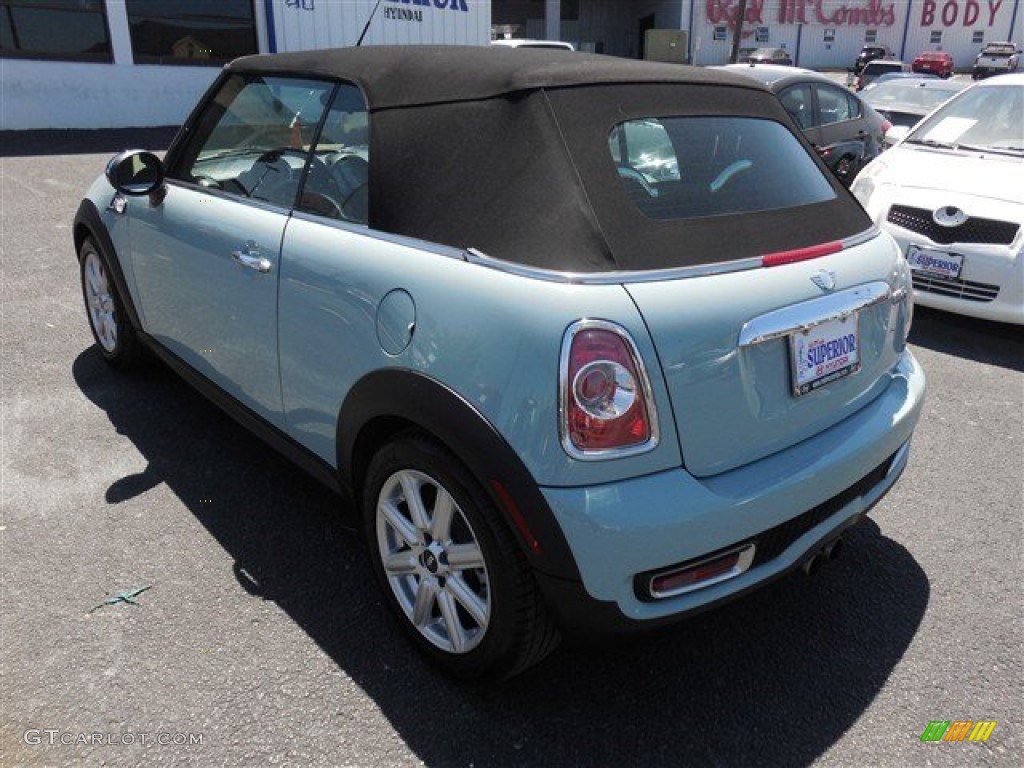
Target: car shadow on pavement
(84,142)
(773,679)
(982,341)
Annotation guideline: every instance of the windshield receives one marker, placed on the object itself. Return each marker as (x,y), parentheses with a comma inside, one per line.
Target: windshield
(985,118)
(910,97)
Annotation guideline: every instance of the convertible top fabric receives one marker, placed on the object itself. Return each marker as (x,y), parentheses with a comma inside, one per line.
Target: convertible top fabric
(506,151)
(416,75)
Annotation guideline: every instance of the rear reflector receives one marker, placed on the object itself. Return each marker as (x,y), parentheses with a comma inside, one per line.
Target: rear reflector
(800,254)
(686,578)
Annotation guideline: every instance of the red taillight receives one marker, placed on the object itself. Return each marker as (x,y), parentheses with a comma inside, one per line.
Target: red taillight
(606,398)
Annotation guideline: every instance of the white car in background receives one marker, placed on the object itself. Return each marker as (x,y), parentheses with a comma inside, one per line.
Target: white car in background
(951,193)
(522,42)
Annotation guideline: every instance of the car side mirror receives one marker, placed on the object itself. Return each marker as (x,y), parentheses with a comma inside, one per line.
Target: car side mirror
(135,172)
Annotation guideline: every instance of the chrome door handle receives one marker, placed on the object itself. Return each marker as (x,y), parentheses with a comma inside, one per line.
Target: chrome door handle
(249,256)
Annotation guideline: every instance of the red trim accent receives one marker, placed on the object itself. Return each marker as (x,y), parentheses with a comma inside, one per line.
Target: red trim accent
(510,506)
(800,254)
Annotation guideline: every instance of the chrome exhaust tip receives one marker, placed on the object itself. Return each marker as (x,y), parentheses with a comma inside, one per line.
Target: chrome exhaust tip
(812,564)
(833,550)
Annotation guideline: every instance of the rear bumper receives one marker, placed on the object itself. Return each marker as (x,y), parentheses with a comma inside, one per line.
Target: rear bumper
(789,504)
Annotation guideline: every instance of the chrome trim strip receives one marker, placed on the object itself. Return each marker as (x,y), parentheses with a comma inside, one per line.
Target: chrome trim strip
(427,246)
(805,315)
(863,237)
(609,278)
(477,256)
(563,392)
(742,565)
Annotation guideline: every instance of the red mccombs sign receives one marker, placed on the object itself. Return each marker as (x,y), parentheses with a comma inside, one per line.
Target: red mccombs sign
(866,13)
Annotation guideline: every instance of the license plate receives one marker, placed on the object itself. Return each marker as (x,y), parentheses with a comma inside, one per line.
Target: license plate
(824,353)
(939,263)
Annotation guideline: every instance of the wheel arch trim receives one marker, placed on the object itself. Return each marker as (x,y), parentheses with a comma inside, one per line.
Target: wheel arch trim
(89,224)
(390,400)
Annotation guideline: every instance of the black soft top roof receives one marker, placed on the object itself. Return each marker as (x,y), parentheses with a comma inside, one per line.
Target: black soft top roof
(417,75)
(506,151)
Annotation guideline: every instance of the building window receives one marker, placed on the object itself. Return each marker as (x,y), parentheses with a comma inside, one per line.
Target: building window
(70,30)
(936,37)
(830,35)
(871,36)
(978,37)
(720,33)
(191,31)
(761,35)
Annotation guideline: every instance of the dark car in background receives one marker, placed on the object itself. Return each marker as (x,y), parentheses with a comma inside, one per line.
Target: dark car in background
(770,56)
(934,63)
(846,132)
(875,69)
(870,53)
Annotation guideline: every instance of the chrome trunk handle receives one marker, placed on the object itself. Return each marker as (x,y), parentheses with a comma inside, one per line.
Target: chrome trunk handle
(800,317)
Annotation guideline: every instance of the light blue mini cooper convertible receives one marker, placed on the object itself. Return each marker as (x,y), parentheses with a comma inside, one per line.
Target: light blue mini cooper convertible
(590,343)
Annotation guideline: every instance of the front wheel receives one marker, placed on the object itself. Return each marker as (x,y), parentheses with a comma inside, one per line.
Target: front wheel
(449,566)
(108,320)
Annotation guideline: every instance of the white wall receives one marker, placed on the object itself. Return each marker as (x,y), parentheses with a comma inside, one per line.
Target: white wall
(59,94)
(52,94)
(63,94)
(335,24)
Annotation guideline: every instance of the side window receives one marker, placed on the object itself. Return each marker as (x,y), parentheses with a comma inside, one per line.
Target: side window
(833,106)
(253,139)
(337,184)
(797,101)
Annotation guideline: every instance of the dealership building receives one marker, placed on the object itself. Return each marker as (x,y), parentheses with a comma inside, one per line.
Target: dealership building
(122,63)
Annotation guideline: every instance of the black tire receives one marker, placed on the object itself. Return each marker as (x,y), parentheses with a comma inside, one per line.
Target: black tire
(517,631)
(104,307)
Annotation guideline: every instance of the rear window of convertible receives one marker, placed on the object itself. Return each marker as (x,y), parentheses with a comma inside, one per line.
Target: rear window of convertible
(676,168)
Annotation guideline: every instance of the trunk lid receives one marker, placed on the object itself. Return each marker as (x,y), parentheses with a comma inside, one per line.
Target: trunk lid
(729,369)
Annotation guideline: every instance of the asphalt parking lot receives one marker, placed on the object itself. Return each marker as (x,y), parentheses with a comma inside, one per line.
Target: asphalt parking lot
(260,638)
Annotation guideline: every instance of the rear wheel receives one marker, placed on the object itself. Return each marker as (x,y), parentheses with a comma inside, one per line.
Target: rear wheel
(108,320)
(449,566)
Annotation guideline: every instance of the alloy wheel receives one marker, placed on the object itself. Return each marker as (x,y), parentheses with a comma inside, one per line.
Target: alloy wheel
(100,301)
(433,561)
